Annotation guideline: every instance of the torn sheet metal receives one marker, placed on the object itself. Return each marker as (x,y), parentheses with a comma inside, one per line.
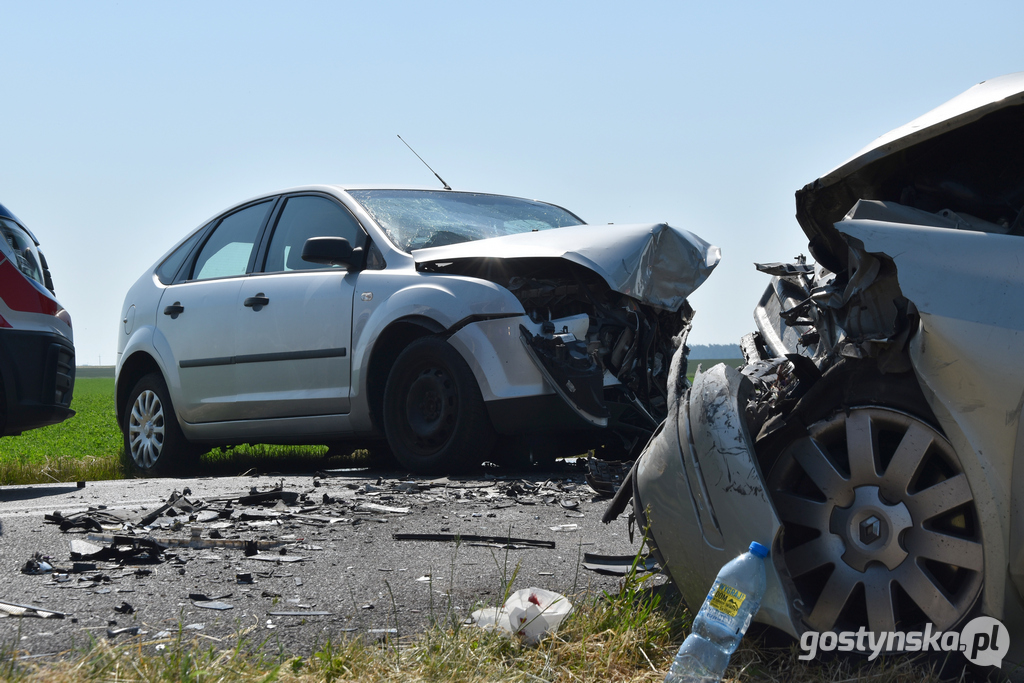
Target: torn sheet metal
(286,559)
(656,264)
(162,542)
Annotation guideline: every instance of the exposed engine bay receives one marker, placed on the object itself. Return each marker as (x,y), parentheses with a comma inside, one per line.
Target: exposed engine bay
(615,376)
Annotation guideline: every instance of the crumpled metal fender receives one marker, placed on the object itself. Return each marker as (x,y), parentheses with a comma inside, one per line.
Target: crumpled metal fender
(966,286)
(701,492)
(383,297)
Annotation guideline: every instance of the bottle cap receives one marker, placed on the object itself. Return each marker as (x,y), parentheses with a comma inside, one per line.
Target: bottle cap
(758,549)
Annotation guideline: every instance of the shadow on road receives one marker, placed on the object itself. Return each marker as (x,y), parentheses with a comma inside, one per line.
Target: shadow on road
(14,493)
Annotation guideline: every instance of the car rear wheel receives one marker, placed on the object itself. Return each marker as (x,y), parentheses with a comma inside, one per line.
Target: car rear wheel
(882,530)
(434,415)
(153,441)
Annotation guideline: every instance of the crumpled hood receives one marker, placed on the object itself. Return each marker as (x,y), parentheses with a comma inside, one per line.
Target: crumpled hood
(962,156)
(656,264)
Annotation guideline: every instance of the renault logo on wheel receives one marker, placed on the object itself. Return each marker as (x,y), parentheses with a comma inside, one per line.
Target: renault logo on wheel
(870,530)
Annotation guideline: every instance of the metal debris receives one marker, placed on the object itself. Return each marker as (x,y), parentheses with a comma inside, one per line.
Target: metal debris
(130,630)
(271,527)
(474,539)
(265,557)
(37,564)
(14,609)
(619,565)
(606,477)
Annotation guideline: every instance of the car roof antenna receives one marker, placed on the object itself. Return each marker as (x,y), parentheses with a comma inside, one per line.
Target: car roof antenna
(446,186)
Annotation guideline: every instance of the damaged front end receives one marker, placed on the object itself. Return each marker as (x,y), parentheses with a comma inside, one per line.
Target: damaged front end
(871,435)
(602,321)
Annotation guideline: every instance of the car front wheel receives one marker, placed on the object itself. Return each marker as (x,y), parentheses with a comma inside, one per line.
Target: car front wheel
(152,438)
(434,415)
(882,530)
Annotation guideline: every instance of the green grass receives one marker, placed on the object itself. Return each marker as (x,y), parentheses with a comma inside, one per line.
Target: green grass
(85,446)
(88,446)
(91,432)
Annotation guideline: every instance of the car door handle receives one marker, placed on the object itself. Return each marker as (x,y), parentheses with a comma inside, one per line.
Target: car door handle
(256,302)
(174,310)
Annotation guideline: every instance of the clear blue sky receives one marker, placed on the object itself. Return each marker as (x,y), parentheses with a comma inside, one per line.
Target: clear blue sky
(125,125)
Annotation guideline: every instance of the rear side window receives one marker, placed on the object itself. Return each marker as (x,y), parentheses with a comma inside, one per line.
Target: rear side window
(228,250)
(22,251)
(169,268)
(302,218)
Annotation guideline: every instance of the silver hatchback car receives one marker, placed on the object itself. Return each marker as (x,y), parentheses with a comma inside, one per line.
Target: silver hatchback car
(422,323)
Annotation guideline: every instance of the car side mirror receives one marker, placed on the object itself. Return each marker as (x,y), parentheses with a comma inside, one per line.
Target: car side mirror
(331,251)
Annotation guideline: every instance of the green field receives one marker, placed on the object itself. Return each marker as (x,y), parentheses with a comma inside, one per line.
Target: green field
(92,431)
(89,446)
(708,363)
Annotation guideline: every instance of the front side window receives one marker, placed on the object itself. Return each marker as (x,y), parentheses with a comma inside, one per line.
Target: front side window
(417,219)
(228,250)
(22,251)
(302,218)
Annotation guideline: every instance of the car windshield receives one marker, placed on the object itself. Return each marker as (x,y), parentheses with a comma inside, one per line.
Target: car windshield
(416,219)
(20,248)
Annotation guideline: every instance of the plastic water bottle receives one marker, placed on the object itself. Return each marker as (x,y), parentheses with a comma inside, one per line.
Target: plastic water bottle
(722,620)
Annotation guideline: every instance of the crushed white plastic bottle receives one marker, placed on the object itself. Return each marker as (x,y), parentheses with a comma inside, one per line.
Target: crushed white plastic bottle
(722,620)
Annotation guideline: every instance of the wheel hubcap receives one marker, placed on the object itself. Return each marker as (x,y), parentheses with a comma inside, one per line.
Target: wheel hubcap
(881,525)
(870,529)
(146,429)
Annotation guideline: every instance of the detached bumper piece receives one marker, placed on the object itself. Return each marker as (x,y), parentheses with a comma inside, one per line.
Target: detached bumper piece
(38,379)
(699,491)
(570,369)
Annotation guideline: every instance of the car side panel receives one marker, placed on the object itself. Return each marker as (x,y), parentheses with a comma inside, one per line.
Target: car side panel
(292,355)
(203,346)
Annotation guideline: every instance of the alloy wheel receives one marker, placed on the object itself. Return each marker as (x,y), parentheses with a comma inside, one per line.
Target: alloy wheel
(146,429)
(881,526)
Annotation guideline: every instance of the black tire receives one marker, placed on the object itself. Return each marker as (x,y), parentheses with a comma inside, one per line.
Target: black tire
(434,415)
(153,443)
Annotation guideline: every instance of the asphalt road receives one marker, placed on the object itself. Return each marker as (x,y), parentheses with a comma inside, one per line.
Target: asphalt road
(351,567)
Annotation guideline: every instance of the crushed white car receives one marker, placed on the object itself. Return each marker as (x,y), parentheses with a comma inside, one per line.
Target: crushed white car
(422,323)
(873,439)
